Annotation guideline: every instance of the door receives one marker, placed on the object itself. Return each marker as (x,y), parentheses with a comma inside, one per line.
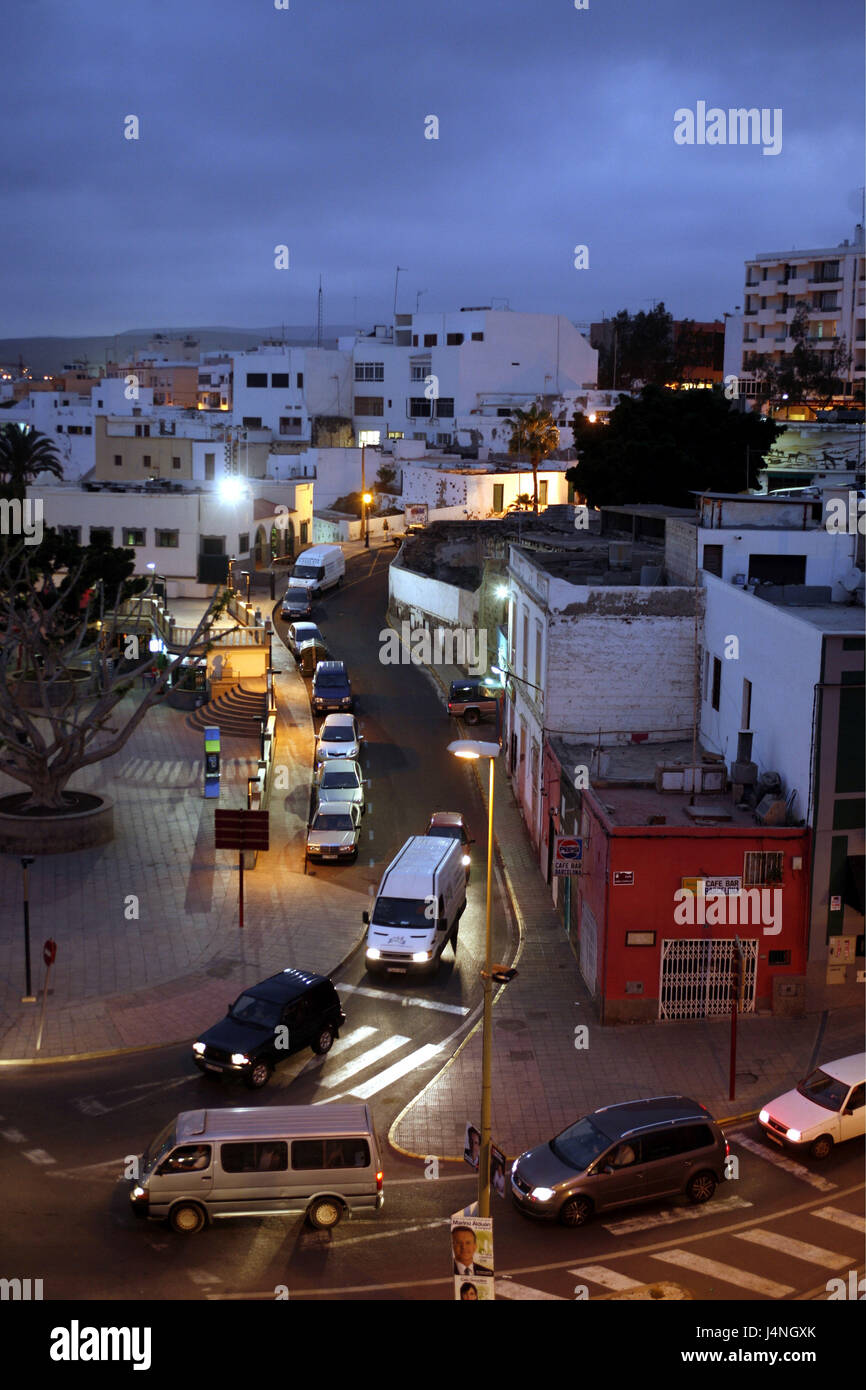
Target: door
(852,1125)
(186,1172)
(252,1178)
(668,1158)
(299,1017)
(617,1177)
(696,977)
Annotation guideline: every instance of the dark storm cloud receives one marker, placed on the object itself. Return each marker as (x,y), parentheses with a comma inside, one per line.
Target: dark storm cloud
(306,127)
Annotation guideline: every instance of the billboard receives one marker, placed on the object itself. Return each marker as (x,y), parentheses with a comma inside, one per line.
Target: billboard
(415,514)
(567,854)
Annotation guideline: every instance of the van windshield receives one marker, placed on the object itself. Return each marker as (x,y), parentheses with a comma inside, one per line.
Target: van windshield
(403,912)
(308,572)
(264,1013)
(160,1146)
(580,1145)
(331,680)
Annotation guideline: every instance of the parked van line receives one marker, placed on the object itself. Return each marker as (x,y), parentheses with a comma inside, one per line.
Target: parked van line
(418,907)
(207,1165)
(319,568)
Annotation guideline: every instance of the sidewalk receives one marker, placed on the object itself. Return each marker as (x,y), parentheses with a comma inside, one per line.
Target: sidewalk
(542,1082)
(148,944)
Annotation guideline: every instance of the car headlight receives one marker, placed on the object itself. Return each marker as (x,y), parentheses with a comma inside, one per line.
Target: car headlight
(794,1135)
(764,1117)
(542,1194)
(373,953)
(137,1193)
(466,861)
(239,1059)
(422,955)
(347,849)
(198,1047)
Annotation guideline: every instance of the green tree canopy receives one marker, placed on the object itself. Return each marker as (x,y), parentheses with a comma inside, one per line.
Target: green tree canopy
(535,435)
(808,374)
(663,445)
(24,453)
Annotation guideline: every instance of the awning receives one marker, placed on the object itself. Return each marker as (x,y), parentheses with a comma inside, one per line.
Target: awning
(853,893)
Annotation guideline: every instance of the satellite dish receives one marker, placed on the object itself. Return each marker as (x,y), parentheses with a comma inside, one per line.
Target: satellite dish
(853,580)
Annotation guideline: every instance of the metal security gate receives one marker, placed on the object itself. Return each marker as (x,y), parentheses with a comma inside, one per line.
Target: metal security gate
(696,978)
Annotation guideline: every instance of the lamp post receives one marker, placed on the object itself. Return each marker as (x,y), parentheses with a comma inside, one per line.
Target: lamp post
(469,748)
(506,675)
(29,997)
(366,498)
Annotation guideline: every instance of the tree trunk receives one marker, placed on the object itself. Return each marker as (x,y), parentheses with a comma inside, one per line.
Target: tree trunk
(534,461)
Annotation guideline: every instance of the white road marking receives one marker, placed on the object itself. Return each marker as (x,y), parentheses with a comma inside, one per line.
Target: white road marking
(668,1215)
(797,1249)
(415,1059)
(201,1276)
(729,1274)
(369,834)
(350,1039)
(91,1106)
(842,1218)
(112,1168)
(506,1288)
(365,1060)
(797,1170)
(147,1087)
(39,1157)
(442,1223)
(608,1278)
(14,1136)
(329,1100)
(404,999)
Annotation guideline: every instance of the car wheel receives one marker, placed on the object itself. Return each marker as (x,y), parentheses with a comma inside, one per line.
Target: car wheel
(700,1188)
(258,1076)
(187,1218)
(325,1213)
(576,1212)
(324,1042)
(471,716)
(821,1147)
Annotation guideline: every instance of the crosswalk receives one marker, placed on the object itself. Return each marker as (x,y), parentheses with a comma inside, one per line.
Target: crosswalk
(771,1260)
(351,1079)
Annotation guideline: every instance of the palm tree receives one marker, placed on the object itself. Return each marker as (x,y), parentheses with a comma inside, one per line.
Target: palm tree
(24,453)
(533,432)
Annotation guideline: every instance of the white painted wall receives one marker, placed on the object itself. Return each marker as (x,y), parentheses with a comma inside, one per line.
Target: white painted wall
(431,598)
(829,556)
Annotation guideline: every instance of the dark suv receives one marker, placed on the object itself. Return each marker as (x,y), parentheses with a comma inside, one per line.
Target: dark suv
(332,688)
(269,1022)
(640,1151)
(473,699)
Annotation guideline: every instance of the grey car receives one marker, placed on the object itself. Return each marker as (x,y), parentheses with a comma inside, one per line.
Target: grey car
(340,780)
(638,1151)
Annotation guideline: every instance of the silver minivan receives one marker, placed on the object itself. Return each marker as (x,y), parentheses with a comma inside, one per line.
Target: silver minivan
(322,1160)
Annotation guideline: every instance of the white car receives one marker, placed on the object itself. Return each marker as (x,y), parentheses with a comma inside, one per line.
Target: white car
(335,831)
(824,1109)
(339,738)
(340,779)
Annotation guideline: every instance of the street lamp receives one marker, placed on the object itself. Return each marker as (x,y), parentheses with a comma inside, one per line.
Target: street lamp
(473,750)
(366,498)
(245,574)
(29,997)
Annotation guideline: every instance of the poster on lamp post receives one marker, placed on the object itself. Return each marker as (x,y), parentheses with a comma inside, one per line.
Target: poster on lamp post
(472,1257)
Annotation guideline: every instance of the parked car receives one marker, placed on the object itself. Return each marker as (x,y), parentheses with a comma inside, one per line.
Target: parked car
(299,632)
(473,700)
(334,831)
(247,1043)
(824,1109)
(265,1160)
(340,780)
(297,603)
(339,737)
(332,688)
(450,825)
(620,1155)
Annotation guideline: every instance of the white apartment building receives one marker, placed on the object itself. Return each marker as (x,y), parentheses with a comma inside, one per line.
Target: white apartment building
(283,389)
(830,281)
(435,369)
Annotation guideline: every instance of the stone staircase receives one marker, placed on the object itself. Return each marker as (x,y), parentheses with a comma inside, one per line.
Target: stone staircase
(238,713)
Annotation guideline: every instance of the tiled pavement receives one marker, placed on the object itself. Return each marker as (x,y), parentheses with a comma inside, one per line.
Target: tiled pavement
(126,981)
(542,1081)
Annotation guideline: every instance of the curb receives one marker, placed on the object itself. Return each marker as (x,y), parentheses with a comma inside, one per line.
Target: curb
(521,933)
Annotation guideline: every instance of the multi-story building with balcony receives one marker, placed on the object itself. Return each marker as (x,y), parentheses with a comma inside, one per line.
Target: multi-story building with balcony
(830,282)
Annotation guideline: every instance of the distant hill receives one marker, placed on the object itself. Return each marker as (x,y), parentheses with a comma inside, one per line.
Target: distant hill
(44,356)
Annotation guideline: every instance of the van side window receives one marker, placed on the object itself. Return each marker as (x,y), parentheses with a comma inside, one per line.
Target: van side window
(330,1153)
(191,1158)
(270,1156)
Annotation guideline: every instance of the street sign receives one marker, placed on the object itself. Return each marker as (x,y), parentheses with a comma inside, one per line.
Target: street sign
(241,830)
(567,855)
(49,951)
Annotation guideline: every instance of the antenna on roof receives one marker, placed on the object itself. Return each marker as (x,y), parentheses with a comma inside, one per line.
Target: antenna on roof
(319,317)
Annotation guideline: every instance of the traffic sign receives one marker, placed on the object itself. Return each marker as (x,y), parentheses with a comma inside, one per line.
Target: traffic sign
(49,951)
(242,830)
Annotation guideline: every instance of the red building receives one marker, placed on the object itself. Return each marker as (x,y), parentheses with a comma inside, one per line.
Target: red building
(665,888)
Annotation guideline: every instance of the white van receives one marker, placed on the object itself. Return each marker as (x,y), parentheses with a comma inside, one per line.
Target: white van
(260,1161)
(319,568)
(418,907)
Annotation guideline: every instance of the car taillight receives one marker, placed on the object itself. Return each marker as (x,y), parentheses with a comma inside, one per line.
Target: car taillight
(380,1177)
(727,1149)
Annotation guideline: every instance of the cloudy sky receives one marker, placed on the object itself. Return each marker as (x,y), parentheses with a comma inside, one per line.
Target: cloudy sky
(306,127)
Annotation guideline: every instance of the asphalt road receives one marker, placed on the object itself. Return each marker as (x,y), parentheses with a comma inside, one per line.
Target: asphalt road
(775,1231)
